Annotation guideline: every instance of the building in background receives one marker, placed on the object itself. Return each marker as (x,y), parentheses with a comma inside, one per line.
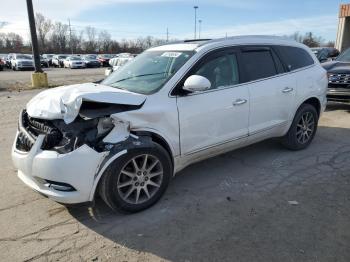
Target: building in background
(343,35)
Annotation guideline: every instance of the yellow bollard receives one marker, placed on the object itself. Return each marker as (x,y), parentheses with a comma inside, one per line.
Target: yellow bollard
(39,80)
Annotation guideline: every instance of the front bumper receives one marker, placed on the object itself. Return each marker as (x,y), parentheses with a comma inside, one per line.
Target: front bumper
(78,168)
(338,94)
(25,66)
(78,66)
(93,64)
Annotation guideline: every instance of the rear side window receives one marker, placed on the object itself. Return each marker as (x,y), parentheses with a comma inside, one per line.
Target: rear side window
(258,64)
(295,57)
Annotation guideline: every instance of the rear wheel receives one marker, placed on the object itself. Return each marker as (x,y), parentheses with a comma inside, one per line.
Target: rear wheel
(137,180)
(303,128)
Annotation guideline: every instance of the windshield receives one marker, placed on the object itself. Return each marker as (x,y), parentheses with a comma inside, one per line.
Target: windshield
(90,57)
(74,58)
(148,72)
(106,56)
(23,57)
(345,56)
(62,56)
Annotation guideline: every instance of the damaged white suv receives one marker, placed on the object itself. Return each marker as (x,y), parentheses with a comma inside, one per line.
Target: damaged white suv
(171,106)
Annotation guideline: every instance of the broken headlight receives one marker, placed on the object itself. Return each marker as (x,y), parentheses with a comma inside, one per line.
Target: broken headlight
(90,132)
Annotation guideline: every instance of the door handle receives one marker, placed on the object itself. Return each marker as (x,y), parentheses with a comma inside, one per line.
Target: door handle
(287,90)
(239,102)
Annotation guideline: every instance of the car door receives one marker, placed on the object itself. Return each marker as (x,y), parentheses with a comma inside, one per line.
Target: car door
(272,91)
(217,118)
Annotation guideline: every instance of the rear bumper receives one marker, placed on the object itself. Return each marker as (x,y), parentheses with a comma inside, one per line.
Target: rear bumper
(79,169)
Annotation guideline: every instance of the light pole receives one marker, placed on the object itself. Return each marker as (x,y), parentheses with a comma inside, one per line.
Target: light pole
(39,78)
(199,28)
(33,36)
(195,21)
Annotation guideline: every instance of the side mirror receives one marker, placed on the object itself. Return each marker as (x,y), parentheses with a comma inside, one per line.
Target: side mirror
(196,83)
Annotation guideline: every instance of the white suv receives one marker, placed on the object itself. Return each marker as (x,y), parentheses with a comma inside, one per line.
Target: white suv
(171,106)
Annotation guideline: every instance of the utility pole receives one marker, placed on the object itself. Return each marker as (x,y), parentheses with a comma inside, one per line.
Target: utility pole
(167,34)
(199,28)
(35,47)
(70,36)
(195,21)
(39,78)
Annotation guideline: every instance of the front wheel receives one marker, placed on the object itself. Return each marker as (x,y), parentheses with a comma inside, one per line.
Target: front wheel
(137,180)
(303,128)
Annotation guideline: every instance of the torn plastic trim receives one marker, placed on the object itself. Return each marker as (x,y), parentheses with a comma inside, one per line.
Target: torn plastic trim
(119,133)
(118,150)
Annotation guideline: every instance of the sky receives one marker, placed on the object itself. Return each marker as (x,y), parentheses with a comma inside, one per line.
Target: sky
(133,18)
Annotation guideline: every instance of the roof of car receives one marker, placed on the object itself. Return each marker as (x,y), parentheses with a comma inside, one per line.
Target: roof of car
(189,45)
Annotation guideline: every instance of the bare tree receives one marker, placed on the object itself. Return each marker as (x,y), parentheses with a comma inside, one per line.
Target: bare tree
(104,40)
(90,43)
(330,44)
(59,37)
(311,40)
(77,40)
(54,37)
(43,27)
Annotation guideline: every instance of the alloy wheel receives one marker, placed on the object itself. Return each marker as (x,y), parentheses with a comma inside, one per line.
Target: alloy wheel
(140,179)
(305,128)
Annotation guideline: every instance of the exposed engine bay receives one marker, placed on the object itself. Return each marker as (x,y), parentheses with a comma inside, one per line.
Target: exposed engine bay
(90,127)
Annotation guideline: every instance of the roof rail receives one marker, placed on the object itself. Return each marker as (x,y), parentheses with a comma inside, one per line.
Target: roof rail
(249,36)
(197,40)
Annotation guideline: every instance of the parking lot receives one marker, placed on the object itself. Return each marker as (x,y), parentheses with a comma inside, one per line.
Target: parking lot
(260,203)
(15,80)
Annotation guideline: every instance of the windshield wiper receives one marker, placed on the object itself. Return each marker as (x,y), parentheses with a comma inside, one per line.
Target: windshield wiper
(127,78)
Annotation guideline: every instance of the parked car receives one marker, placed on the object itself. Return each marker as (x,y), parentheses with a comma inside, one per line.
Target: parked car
(2,63)
(48,57)
(8,60)
(325,54)
(117,63)
(339,78)
(104,59)
(91,61)
(22,61)
(73,62)
(44,62)
(57,60)
(171,106)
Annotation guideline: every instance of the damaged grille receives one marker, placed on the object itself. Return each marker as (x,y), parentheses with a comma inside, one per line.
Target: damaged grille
(30,128)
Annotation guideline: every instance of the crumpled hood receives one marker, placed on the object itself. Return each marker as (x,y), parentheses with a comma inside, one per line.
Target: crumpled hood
(64,102)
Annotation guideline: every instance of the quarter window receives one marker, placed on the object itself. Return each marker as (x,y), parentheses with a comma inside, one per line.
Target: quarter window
(295,57)
(221,71)
(258,64)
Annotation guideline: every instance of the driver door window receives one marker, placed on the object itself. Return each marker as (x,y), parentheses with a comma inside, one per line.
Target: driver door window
(220,70)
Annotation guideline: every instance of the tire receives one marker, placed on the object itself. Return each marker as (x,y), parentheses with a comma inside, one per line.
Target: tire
(303,128)
(121,181)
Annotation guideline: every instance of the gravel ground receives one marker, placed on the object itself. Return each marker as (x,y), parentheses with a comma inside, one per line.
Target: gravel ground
(14,80)
(259,203)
